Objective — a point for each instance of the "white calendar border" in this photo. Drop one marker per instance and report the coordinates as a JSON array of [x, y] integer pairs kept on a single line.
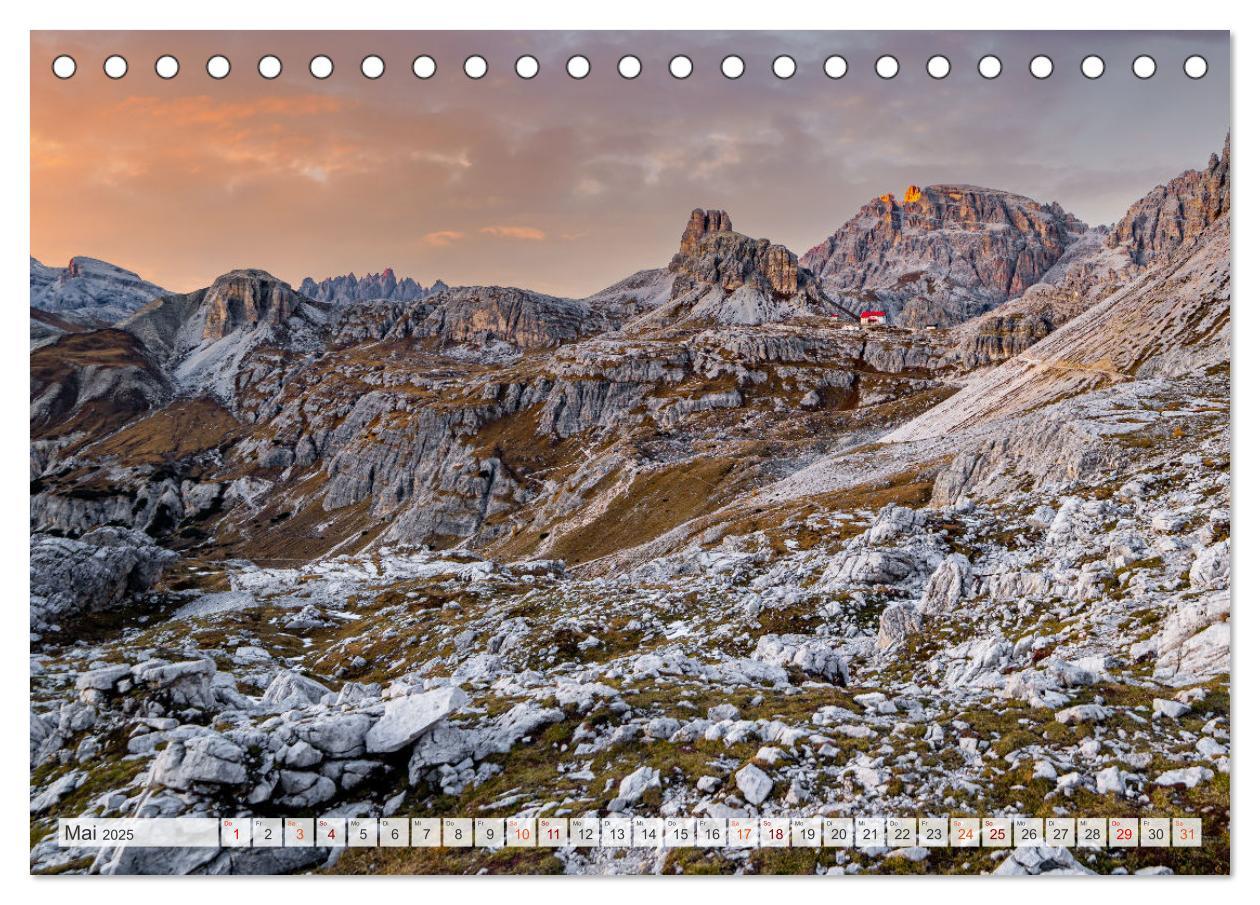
[[577, 14]]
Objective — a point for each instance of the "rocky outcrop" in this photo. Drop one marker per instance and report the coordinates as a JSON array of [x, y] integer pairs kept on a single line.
[[1175, 213], [725, 276], [482, 315], [701, 224], [1171, 320], [943, 253], [207, 339], [95, 573], [479, 322], [246, 298], [1100, 262]]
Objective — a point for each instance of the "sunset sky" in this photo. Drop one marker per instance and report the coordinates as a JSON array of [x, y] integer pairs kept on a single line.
[[562, 185]]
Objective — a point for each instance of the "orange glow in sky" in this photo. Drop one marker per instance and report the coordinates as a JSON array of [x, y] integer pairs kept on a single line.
[[557, 184]]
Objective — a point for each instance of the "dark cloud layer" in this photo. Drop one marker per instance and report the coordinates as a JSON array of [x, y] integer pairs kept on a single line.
[[564, 185]]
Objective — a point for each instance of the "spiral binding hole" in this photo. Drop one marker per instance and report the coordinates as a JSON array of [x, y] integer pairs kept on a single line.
[[835, 66], [115, 66], [527, 66], [424, 67], [64, 66], [938, 66], [270, 67], [475, 66], [887, 66], [166, 66], [321, 66], [680, 67], [218, 66]]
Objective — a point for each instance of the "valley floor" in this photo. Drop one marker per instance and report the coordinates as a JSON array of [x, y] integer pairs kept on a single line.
[[1058, 646]]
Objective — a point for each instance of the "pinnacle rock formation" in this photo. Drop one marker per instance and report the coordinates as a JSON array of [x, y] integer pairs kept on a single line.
[[348, 288], [730, 277]]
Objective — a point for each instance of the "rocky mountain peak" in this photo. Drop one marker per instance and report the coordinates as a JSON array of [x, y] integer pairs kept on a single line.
[[943, 253], [712, 252], [245, 298], [348, 288], [89, 291], [1173, 214], [723, 275], [701, 224]]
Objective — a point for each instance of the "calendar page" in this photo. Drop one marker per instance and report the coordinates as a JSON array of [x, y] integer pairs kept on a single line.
[[602, 453]]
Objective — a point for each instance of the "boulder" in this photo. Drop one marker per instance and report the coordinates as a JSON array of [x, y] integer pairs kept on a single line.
[[292, 691], [872, 567], [634, 786], [1186, 776], [1210, 570], [950, 583], [208, 758], [897, 623], [1040, 859], [99, 571], [1172, 710], [814, 656], [336, 734], [407, 718], [1194, 642], [1082, 713], [753, 784]]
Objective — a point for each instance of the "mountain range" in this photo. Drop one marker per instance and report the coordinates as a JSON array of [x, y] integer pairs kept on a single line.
[[701, 540]]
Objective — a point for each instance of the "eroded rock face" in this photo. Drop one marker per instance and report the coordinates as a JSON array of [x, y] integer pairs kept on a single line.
[[244, 298], [701, 224], [1176, 212], [942, 253], [94, 573], [728, 277]]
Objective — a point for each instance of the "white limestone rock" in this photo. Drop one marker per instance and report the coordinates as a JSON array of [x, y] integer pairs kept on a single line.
[[753, 784], [406, 719]]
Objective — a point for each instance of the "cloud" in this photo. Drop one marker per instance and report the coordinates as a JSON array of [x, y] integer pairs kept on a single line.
[[202, 110], [521, 233], [442, 238]]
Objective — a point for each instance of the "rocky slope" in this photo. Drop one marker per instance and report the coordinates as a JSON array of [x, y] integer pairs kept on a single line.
[[1101, 261], [694, 545], [1173, 318], [90, 292], [383, 286], [203, 338], [942, 254], [1174, 214]]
